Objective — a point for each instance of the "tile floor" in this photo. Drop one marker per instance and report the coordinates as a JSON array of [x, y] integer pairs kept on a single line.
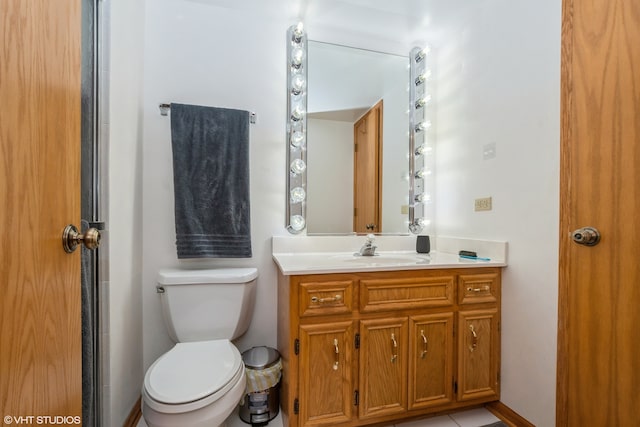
[[469, 418]]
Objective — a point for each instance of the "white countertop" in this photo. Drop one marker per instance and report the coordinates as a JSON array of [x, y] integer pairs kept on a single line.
[[346, 262], [335, 254]]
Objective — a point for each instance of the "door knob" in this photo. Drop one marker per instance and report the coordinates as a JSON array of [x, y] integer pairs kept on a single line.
[[587, 236], [71, 238]]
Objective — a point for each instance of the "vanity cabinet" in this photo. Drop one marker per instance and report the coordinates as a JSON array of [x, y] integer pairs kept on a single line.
[[375, 347]]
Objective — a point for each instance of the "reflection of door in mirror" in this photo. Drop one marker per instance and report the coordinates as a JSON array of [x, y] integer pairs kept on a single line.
[[367, 171], [344, 83]]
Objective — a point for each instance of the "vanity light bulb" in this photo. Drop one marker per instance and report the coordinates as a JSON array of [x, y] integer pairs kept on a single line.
[[297, 55], [298, 32], [423, 149], [423, 222], [423, 101], [423, 126], [423, 198], [423, 77], [422, 54], [298, 195], [297, 113], [297, 139], [297, 84], [297, 222], [298, 166], [422, 173]]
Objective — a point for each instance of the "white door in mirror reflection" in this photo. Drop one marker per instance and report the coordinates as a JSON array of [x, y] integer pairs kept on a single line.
[[367, 167]]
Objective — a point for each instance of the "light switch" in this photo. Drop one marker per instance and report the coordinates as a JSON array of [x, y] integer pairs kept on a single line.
[[489, 151]]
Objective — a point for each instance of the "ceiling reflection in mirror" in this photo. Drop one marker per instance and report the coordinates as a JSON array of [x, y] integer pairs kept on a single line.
[[352, 95]]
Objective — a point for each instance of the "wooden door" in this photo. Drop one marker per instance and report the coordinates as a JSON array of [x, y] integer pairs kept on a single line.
[[326, 386], [383, 367], [599, 298], [367, 172], [40, 338], [430, 360], [478, 349]]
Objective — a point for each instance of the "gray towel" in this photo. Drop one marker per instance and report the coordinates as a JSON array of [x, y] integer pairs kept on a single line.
[[211, 181]]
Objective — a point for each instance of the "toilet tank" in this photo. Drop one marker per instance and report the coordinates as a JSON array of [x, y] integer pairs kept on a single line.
[[202, 305]]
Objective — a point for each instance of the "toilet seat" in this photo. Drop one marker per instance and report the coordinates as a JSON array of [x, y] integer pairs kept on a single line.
[[192, 375]]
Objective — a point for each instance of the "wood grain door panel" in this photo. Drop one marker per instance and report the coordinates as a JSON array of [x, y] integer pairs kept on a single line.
[[367, 191], [430, 360], [478, 349], [383, 377], [40, 339], [599, 339], [326, 384]]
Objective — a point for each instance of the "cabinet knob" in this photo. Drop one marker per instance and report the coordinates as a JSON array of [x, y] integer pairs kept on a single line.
[[479, 289], [317, 300], [394, 348], [337, 354], [425, 344], [474, 339]]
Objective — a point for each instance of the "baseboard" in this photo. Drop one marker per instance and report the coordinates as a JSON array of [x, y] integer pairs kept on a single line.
[[134, 415], [508, 415]]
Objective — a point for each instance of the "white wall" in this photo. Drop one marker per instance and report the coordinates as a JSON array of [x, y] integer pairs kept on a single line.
[[499, 83], [228, 56], [329, 195], [125, 209]]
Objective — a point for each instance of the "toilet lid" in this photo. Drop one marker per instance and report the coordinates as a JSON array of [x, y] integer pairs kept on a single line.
[[192, 371]]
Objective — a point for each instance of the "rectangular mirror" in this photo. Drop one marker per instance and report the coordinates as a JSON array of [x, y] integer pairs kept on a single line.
[[357, 141]]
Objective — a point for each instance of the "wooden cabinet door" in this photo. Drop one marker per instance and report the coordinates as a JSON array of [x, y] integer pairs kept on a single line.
[[325, 375], [478, 350], [383, 367], [430, 360]]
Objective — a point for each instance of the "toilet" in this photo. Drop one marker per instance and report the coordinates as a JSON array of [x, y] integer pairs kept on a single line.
[[200, 381]]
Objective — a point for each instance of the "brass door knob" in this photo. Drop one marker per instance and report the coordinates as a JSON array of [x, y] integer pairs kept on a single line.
[[588, 236], [71, 238]]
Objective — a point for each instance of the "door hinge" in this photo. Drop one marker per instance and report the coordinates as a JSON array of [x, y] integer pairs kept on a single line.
[[356, 398], [357, 341], [296, 346], [355, 212], [296, 406]]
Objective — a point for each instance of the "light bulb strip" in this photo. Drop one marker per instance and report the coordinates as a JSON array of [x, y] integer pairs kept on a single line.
[[296, 184], [417, 75]]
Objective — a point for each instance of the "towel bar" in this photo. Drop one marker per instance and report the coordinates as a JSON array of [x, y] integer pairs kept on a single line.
[[164, 111]]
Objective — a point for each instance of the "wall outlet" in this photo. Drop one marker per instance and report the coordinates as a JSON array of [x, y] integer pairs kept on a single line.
[[404, 210], [483, 204]]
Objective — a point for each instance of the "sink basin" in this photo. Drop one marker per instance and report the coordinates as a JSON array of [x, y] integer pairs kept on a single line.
[[384, 259]]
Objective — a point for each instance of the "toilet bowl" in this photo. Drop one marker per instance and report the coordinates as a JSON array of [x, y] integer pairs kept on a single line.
[[194, 384], [200, 381]]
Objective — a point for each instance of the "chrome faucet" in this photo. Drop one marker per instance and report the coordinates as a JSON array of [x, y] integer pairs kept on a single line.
[[368, 249]]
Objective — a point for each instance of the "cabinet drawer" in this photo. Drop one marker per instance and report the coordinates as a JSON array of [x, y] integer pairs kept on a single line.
[[478, 288], [413, 292], [320, 298]]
